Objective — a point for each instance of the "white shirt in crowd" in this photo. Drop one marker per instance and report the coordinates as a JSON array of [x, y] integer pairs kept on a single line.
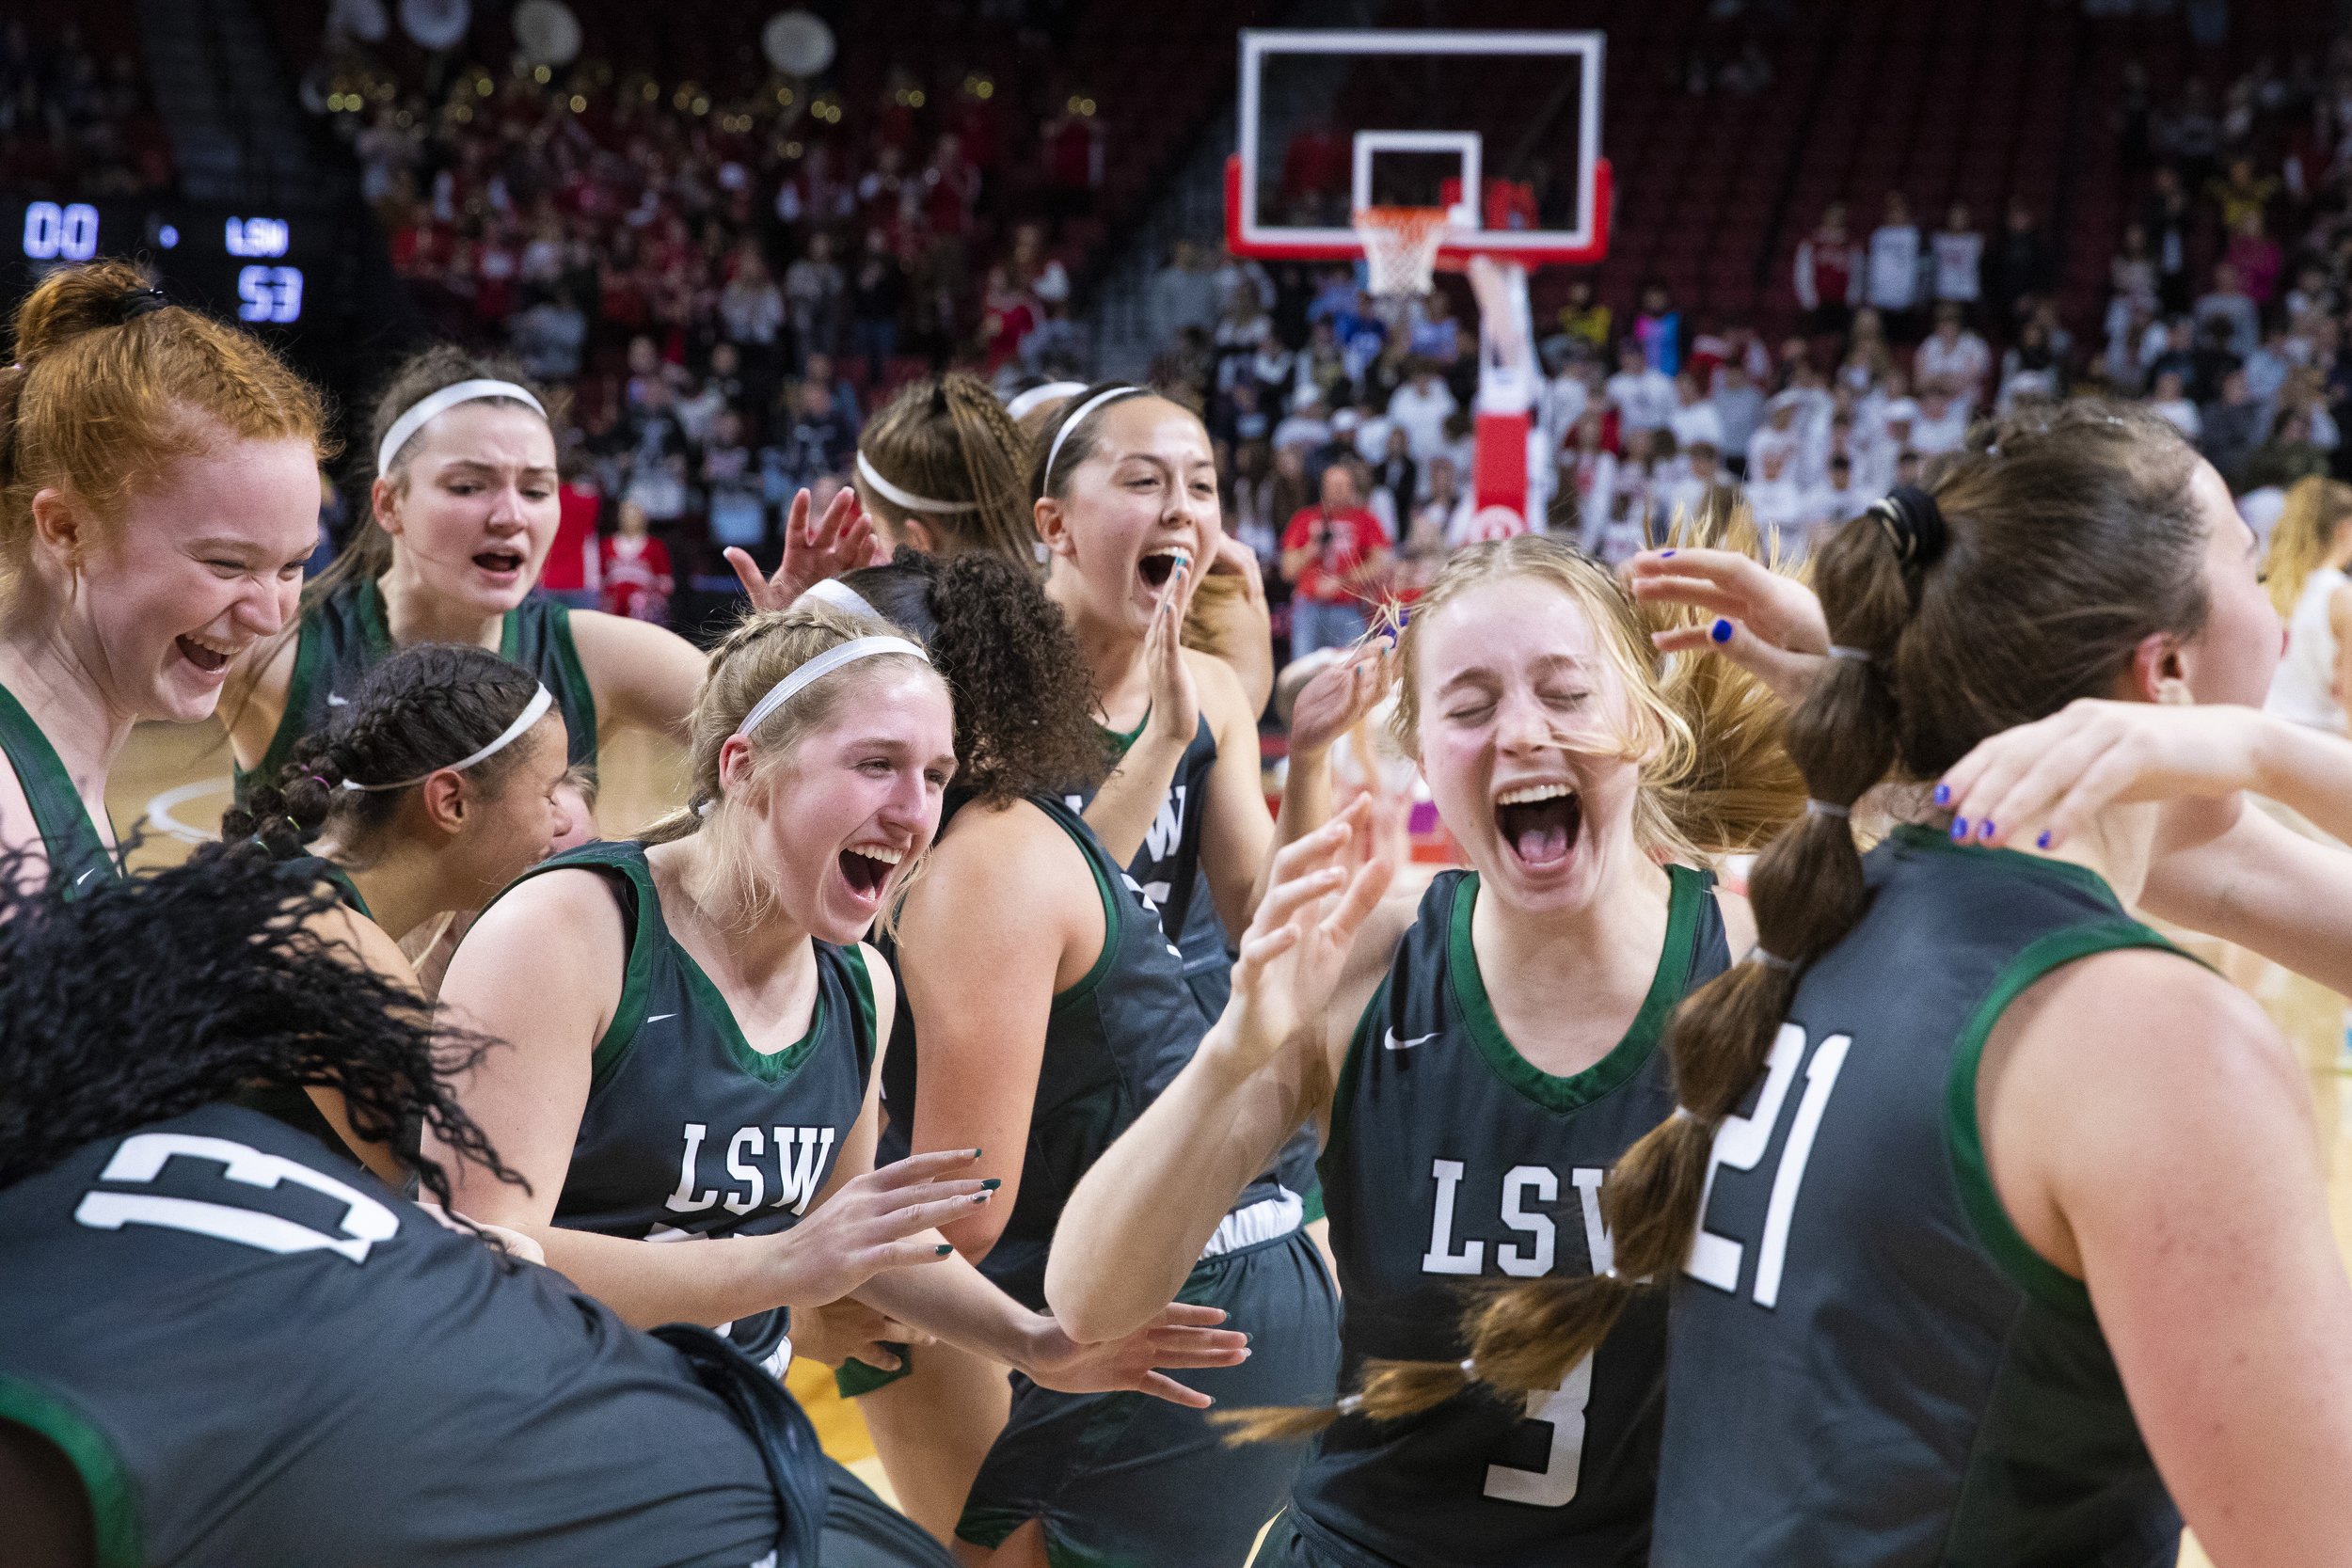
[[1592, 479], [2183, 413], [1645, 399], [1962, 364], [1775, 451], [2302, 690], [1893, 267], [1696, 423], [1933, 431], [1959, 265], [1421, 415], [1565, 399]]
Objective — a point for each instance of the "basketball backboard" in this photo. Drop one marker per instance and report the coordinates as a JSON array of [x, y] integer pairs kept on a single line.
[[1500, 128]]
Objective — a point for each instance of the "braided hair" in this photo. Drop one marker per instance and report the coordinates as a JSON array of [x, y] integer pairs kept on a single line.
[[150, 996], [2018, 581], [421, 710]]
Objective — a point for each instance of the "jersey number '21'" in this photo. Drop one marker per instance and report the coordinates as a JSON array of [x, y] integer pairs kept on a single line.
[[1741, 1142]]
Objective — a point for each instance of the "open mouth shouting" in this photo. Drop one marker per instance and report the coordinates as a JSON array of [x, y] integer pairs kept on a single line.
[[502, 563], [867, 868], [1539, 823], [206, 654], [1160, 565]]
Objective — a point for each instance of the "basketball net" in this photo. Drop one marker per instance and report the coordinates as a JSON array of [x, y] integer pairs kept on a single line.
[[1401, 245]]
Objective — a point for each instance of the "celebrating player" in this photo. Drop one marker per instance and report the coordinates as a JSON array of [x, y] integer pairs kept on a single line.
[[2003, 1226], [158, 496], [1476, 1059], [1046, 1008]]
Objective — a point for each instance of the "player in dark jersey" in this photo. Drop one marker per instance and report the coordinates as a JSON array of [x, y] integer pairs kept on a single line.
[[1047, 1008], [696, 1024], [1995, 1229], [1476, 1058], [245, 1349], [158, 496], [463, 512], [433, 789]]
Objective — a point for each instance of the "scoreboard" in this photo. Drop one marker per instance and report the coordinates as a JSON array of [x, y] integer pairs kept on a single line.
[[281, 272]]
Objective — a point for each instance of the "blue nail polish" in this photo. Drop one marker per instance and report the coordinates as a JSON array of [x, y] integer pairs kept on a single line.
[[2043, 842], [1721, 631], [1666, 555], [1959, 829], [1984, 830], [1942, 795]]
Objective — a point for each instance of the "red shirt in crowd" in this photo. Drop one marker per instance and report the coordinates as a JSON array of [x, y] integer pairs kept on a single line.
[[1339, 542], [572, 563], [637, 582]]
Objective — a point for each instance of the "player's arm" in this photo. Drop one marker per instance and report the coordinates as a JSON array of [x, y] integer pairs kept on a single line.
[[1331, 702], [551, 1002], [1236, 830], [42, 1499], [644, 676], [2189, 1194], [1141, 1214]]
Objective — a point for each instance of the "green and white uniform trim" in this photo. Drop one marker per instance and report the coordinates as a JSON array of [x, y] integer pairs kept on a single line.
[[75, 848], [1869, 1363]]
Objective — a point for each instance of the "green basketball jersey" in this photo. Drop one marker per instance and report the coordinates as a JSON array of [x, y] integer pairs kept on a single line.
[[1453, 1160], [344, 636], [1113, 1041], [689, 1133], [75, 850], [1869, 1364]]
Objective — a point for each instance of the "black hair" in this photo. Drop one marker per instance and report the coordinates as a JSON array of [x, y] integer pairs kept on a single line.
[[145, 997], [1025, 697], [421, 710]]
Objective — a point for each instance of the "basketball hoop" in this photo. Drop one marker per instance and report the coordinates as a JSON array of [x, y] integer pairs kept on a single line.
[[1401, 245]]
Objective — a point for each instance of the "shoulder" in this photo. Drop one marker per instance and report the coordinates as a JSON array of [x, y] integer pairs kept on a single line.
[[576, 903], [881, 985], [1369, 959], [998, 842], [600, 636], [1222, 698]]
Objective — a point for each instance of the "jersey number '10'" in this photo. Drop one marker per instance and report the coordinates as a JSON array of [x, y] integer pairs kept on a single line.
[[1741, 1142]]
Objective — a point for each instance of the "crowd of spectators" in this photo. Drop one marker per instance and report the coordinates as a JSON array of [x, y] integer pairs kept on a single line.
[[725, 284], [2229, 309], [73, 126]]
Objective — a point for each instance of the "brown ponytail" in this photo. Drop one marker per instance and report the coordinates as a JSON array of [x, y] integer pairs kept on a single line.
[[112, 383], [2069, 536], [948, 439]]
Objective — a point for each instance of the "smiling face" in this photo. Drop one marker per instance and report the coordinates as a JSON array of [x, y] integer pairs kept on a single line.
[[1144, 498], [837, 821], [1524, 719], [472, 506], [205, 560]]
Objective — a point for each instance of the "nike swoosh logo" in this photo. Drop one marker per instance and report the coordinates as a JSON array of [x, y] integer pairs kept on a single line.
[[86, 875], [334, 700], [1392, 1043], [659, 1017]]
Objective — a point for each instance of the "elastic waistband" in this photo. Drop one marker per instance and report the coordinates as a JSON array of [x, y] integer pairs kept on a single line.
[[1266, 1220]]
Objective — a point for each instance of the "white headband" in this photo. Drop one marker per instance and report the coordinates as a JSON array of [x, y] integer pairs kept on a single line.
[[1078, 418], [839, 594], [532, 711], [1023, 405], [818, 668], [447, 398], [907, 499]]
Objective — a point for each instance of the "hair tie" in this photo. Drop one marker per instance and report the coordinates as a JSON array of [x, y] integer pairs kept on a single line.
[[839, 594], [433, 404], [1469, 1368], [906, 499], [540, 702], [1823, 808], [318, 779], [1053, 454], [1769, 960], [1839, 649], [1349, 1404], [289, 822], [1913, 524], [140, 302]]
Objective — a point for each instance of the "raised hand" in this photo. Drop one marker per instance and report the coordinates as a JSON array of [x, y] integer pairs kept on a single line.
[[1338, 696], [1175, 704], [1321, 889], [1182, 1337], [885, 1219], [1767, 623], [2041, 782], [840, 540], [845, 1329]]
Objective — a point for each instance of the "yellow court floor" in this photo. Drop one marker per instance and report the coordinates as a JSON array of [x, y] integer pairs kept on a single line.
[[173, 781]]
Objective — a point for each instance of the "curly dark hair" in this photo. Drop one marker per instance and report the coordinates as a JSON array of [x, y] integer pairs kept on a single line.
[[148, 996], [1025, 697], [422, 708]]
